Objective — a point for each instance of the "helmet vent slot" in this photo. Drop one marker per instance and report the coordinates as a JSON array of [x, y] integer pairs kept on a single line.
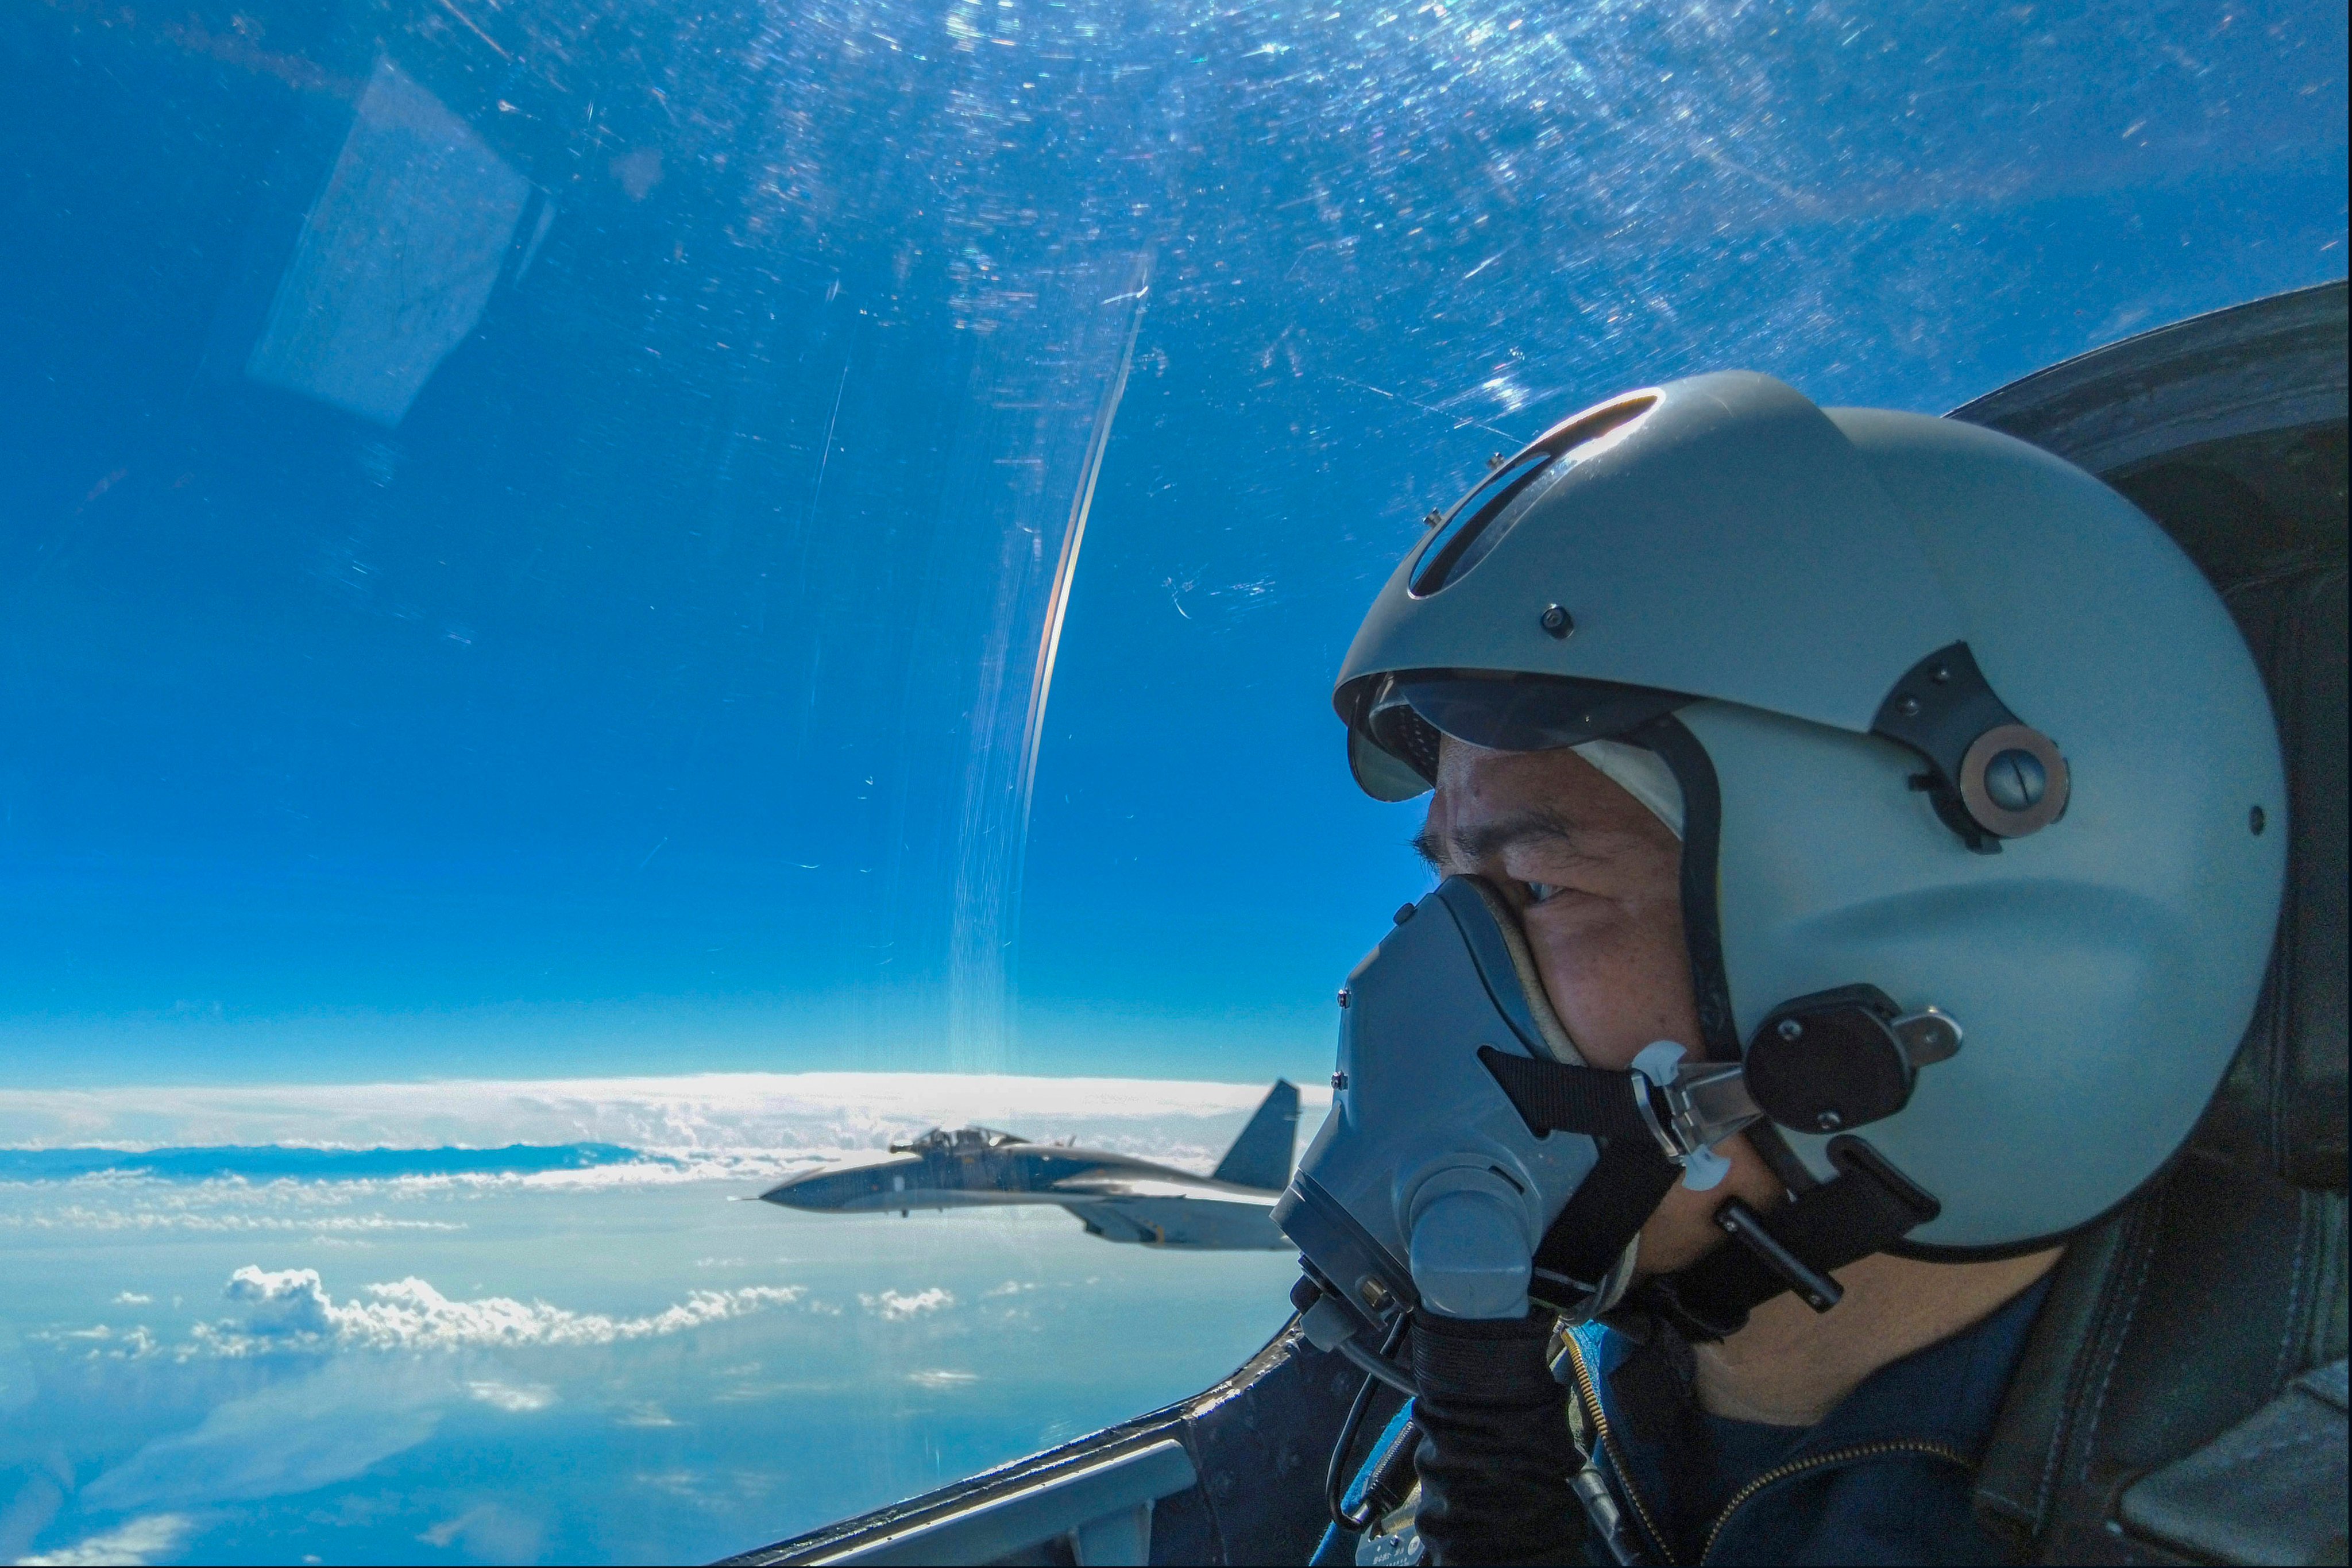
[[1478, 522]]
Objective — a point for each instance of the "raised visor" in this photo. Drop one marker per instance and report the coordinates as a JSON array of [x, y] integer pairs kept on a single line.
[[1234, 1475]]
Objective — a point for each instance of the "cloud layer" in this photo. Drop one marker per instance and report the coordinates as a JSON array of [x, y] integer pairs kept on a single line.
[[291, 1309], [711, 1115], [898, 1306], [132, 1542]]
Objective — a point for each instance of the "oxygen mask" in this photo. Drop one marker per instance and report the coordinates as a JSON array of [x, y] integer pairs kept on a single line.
[[1472, 1164]]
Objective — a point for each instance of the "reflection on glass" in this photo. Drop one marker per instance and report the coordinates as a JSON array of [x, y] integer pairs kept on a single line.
[[584, 589], [397, 257]]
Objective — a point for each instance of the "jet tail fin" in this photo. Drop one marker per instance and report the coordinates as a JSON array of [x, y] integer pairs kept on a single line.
[[1261, 1156]]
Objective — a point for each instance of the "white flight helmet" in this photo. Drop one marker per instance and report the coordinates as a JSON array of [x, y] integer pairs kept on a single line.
[[1951, 719]]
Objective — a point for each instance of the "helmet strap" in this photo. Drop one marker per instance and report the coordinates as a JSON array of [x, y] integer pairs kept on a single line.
[[1866, 1208]]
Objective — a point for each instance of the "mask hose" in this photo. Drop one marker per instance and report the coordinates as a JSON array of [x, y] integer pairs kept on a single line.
[[1373, 1503], [1494, 1451]]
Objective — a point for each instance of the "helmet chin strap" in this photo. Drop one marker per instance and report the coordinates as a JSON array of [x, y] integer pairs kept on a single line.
[[1656, 1132], [1866, 1208]]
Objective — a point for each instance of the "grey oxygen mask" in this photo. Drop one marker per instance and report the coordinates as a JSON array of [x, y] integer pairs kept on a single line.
[[1445, 1166]]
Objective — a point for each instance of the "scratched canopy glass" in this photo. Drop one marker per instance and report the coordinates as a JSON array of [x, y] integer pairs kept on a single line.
[[562, 560]]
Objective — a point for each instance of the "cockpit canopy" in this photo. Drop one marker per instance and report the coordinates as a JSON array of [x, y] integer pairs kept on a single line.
[[959, 1139]]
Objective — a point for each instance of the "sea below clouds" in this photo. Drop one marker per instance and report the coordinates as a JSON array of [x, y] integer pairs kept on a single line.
[[515, 1322]]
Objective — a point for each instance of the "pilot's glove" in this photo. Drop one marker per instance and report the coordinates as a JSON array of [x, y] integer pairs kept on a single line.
[[1494, 1428]]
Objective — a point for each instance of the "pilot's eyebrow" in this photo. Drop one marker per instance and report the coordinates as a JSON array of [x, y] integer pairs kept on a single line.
[[1469, 846]]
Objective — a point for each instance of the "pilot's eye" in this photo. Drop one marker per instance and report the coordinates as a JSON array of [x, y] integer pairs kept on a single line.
[[1539, 892]]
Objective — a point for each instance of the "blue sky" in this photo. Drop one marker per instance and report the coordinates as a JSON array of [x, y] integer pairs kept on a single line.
[[658, 692]]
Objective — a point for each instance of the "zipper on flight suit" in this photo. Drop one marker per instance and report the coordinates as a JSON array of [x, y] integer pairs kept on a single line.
[[1589, 1395], [1815, 1461]]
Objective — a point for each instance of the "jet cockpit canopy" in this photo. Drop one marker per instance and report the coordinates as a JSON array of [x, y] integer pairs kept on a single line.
[[958, 1139]]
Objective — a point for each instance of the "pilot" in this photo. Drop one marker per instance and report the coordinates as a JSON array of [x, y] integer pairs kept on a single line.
[[1902, 783]]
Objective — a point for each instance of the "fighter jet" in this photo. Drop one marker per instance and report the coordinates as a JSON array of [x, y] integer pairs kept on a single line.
[[1115, 1196]]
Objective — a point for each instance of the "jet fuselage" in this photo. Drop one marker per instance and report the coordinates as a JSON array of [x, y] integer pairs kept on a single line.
[[1116, 1196]]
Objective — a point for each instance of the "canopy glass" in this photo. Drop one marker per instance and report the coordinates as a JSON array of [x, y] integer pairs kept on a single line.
[[550, 541]]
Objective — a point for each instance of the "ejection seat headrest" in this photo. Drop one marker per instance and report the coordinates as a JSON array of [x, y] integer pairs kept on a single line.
[[2282, 1108]]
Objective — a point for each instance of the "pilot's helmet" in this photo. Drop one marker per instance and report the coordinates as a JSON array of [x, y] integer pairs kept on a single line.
[[1935, 712]]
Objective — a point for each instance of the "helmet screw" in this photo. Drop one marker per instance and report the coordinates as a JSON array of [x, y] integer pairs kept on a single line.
[[2257, 820], [1790, 1029], [1433, 519], [2015, 780], [1829, 1122], [1344, 997], [1941, 674], [1908, 705], [1495, 460], [1339, 1080], [1557, 621], [1404, 913]]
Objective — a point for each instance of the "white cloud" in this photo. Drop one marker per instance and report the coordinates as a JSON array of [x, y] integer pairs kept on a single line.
[[717, 1124], [134, 1541], [514, 1400], [106, 1343], [898, 1306], [648, 1414], [1010, 1288], [150, 1216], [289, 1302], [133, 1299], [941, 1378], [291, 1310]]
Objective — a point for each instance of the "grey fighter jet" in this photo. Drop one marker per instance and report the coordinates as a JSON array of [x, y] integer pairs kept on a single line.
[[1116, 1196]]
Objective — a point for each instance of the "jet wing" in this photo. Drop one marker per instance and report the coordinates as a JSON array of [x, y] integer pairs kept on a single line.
[[1107, 1185], [1156, 1211]]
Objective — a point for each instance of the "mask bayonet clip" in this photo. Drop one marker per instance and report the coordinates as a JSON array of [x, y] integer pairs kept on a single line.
[[1690, 1107]]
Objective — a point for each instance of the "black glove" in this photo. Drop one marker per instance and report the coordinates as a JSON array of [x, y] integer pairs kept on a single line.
[[1493, 1456]]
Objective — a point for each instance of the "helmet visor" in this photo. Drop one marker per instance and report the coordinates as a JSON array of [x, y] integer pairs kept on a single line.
[[1508, 712]]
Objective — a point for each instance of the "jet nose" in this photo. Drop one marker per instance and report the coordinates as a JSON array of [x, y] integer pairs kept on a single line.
[[800, 1193]]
